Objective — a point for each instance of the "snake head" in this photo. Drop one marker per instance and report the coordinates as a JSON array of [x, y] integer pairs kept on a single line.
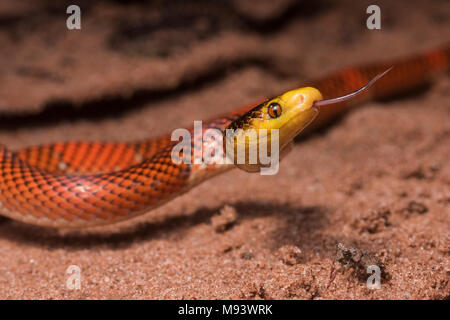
[[272, 125]]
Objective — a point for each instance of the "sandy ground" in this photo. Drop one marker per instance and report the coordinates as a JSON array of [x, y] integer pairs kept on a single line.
[[375, 184]]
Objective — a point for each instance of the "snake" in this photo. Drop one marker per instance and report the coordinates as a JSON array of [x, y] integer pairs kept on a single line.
[[78, 184]]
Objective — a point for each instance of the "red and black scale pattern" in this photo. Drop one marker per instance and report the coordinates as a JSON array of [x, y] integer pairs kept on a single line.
[[36, 196]]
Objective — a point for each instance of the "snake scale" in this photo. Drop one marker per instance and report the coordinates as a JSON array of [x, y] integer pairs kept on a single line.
[[82, 184]]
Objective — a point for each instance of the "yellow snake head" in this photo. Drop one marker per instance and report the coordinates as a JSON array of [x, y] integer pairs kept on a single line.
[[265, 133], [271, 125]]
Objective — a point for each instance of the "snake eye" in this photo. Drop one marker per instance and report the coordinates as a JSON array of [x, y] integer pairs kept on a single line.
[[274, 110]]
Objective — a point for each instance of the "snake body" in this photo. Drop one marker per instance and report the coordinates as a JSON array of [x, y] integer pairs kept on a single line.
[[82, 184]]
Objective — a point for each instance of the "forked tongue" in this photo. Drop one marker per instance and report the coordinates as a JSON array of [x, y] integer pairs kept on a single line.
[[353, 94]]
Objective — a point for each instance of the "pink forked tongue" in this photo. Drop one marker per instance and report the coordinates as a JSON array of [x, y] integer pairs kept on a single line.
[[351, 95]]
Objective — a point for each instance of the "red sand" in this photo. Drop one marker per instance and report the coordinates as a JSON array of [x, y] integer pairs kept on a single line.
[[377, 181]]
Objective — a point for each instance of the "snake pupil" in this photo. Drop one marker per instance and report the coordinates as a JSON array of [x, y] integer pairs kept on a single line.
[[274, 110]]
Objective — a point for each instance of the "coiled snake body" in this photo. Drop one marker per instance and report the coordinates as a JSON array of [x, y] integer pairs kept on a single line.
[[80, 184]]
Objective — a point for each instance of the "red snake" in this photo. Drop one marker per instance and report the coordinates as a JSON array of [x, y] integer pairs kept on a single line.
[[81, 184]]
